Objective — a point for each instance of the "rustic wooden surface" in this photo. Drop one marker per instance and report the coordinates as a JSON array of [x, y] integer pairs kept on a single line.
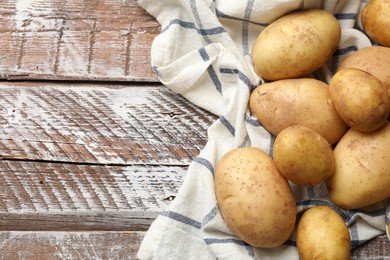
[[69, 245], [114, 155], [91, 157], [59, 196], [90, 40], [105, 123]]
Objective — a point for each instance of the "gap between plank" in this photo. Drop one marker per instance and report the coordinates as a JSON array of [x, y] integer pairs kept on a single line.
[[4, 158]]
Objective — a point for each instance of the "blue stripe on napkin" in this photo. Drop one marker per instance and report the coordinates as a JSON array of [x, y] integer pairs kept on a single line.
[[205, 163], [182, 219]]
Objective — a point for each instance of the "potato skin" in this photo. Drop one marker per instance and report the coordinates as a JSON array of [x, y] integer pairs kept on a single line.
[[360, 99], [255, 200], [305, 101], [374, 60], [303, 156], [323, 234], [376, 19], [388, 229], [295, 44], [362, 174]]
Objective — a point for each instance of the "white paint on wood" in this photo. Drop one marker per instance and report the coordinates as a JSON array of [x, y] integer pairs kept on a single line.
[[101, 40], [122, 99], [22, 13], [15, 110], [44, 188], [69, 245], [74, 53], [106, 124]]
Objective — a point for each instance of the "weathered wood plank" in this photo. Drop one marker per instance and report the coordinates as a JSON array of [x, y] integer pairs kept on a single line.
[[56, 196], [82, 40], [114, 245], [69, 245], [111, 124]]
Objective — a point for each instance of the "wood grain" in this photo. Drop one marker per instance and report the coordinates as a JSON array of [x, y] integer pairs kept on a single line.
[[106, 124], [82, 40], [87, 157], [114, 245], [69, 245], [57, 196]]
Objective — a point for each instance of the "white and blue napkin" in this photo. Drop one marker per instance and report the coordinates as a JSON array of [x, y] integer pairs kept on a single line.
[[204, 54]]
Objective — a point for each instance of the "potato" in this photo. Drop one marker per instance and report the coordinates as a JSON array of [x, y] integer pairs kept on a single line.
[[303, 156], [255, 200], [376, 19], [362, 174], [323, 234], [306, 102], [295, 44], [360, 99], [374, 60], [388, 228]]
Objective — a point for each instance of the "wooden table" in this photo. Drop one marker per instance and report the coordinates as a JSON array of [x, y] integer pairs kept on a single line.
[[92, 146]]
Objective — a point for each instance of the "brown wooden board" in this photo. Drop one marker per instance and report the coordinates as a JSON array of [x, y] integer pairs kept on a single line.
[[107, 124], [87, 157], [58, 196], [82, 40], [69, 245], [114, 245]]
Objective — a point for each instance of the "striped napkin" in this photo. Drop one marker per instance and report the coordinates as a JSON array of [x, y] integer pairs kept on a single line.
[[204, 54]]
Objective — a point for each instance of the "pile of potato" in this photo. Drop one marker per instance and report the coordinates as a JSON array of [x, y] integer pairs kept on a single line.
[[337, 133]]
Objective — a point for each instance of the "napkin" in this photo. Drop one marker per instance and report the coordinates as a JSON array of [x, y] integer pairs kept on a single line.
[[204, 54]]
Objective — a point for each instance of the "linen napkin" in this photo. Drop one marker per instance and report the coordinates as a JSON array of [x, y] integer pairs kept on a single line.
[[204, 54]]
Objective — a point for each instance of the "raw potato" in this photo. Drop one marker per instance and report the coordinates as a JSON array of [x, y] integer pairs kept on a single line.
[[360, 99], [376, 20], [323, 234], [255, 200], [388, 229], [296, 44], [303, 156], [362, 174], [374, 60], [306, 102]]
